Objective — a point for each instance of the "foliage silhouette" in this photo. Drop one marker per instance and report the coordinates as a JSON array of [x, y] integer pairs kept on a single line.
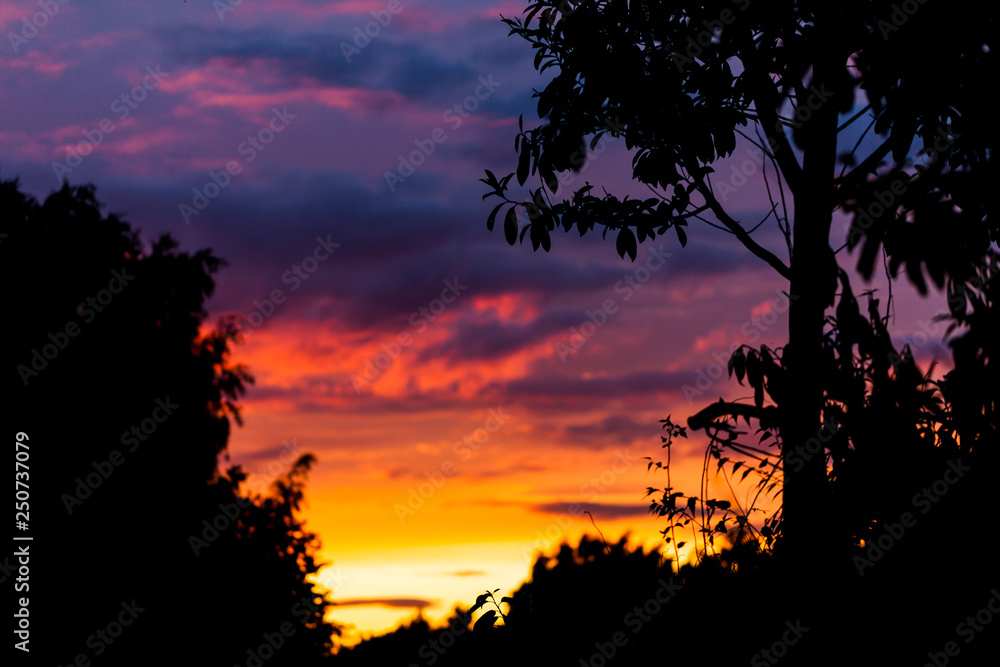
[[851, 114], [849, 111], [127, 404], [572, 599], [900, 444]]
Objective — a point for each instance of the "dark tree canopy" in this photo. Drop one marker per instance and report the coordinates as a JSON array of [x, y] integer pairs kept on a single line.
[[127, 404], [872, 111], [853, 113], [681, 82]]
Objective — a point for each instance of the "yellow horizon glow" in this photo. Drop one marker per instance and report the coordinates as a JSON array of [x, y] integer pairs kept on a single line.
[[420, 500]]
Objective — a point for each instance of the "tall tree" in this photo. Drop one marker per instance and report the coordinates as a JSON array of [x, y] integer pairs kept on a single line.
[[125, 404], [854, 115]]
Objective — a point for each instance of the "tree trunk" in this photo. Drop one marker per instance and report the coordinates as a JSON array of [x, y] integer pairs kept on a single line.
[[812, 288]]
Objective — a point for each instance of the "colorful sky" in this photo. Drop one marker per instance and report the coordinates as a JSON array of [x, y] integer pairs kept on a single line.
[[452, 388]]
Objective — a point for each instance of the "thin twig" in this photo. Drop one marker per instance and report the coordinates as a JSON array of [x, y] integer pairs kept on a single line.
[[598, 531]]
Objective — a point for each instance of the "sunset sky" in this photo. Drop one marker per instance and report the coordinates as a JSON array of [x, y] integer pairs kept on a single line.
[[453, 388]]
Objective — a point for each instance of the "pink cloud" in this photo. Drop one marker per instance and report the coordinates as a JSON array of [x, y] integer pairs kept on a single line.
[[302, 10], [508, 8], [148, 141], [10, 15], [22, 146], [716, 338], [356, 6], [103, 40], [50, 64], [227, 83], [509, 307]]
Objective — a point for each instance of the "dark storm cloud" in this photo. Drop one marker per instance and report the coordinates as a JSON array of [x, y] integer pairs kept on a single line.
[[613, 429], [403, 603], [407, 67], [495, 338], [605, 511]]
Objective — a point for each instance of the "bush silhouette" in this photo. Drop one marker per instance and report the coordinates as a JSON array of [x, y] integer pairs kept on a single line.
[[127, 406]]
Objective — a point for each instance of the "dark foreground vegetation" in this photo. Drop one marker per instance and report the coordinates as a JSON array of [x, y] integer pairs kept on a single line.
[[204, 570], [148, 551], [144, 550]]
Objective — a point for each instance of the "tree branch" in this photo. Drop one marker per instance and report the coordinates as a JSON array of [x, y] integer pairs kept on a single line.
[[766, 108], [741, 233], [867, 165], [767, 415]]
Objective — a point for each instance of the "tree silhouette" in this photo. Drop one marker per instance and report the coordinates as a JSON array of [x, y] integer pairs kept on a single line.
[[573, 600], [850, 112], [270, 553], [851, 115], [910, 462], [126, 404]]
